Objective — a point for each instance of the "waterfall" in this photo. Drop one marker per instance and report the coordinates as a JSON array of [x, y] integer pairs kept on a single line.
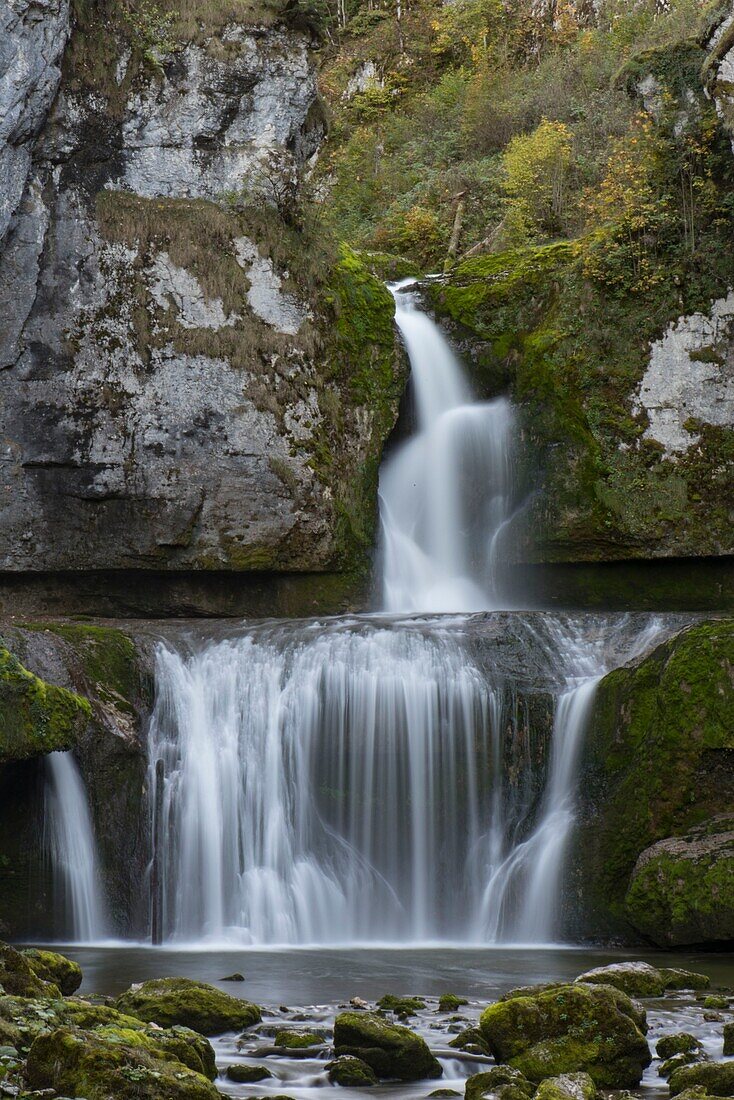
[[368, 780], [69, 841], [446, 495], [333, 785]]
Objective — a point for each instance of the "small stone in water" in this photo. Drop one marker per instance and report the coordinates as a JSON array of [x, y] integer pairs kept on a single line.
[[233, 978], [247, 1074], [357, 1002]]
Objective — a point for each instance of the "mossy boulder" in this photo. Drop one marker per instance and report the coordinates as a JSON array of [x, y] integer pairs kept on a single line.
[[49, 966], [247, 1075], [569, 1086], [97, 1067], [297, 1040], [659, 765], [716, 1078], [170, 1001], [18, 977], [470, 1040], [682, 1042], [501, 1081], [401, 1006], [351, 1072], [391, 1050], [682, 888], [667, 1068], [593, 1029], [449, 1002], [640, 979], [728, 1040], [35, 717], [177, 1044]]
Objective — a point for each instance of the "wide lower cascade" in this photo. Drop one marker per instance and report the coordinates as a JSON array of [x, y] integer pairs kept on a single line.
[[362, 782]]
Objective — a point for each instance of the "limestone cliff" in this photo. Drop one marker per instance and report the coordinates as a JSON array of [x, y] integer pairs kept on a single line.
[[193, 379]]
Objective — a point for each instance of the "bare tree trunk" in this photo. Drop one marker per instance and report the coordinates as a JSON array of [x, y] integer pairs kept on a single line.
[[485, 244], [456, 231]]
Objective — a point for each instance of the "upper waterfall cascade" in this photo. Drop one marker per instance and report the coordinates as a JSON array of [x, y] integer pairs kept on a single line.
[[447, 493]]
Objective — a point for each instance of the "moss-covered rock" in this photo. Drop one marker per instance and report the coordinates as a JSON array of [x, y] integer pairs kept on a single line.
[[449, 1002], [247, 1075], [471, 1040], [35, 717], [351, 1072], [18, 977], [292, 1039], [569, 1086], [49, 966], [667, 1068], [682, 888], [574, 1028], [170, 1001], [716, 1078], [390, 1049], [681, 1042], [728, 1040], [96, 1066], [502, 1081], [401, 1006], [659, 762], [640, 979]]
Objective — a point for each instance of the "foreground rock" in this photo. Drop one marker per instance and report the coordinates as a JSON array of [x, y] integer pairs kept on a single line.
[[502, 1082], [170, 1001], [682, 888], [351, 1072], [119, 1064], [569, 1086], [708, 1078], [18, 977], [391, 1050], [639, 979], [594, 1029], [52, 967]]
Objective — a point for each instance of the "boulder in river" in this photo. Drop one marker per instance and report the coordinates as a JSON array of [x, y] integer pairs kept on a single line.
[[568, 1086], [351, 1072], [713, 1078], [682, 1042], [639, 979], [169, 1001], [390, 1049], [503, 1082], [595, 1029]]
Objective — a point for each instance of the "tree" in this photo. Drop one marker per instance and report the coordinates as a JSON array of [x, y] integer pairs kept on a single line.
[[536, 168]]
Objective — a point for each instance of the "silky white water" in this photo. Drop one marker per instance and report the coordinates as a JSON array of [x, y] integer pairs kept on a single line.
[[446, 494], [365, 782], [71, 848]]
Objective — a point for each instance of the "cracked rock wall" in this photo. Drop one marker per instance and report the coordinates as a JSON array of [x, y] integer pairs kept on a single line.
[[179, 389]]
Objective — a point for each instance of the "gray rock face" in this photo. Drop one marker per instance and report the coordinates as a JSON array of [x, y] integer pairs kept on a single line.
[[166, 342], [33, 35]]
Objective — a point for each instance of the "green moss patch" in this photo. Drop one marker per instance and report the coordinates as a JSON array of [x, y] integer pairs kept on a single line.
[[35, 717]]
